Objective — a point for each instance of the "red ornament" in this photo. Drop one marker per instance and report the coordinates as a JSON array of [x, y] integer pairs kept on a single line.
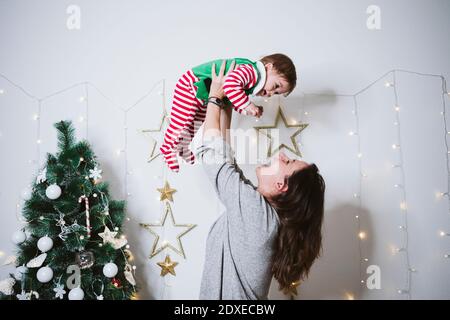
[[116, 283]]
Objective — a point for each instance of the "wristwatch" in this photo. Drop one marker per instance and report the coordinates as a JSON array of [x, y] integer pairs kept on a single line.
[[217, 101]]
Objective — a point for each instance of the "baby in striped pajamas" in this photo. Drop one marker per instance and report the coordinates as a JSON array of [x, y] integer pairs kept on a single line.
[[273, 74]]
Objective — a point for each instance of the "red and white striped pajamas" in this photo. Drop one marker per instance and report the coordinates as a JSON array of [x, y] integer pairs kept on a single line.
[[188, 112]]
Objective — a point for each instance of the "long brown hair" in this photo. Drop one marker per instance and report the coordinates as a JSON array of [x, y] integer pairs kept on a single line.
[[284, 66], [299, 239]]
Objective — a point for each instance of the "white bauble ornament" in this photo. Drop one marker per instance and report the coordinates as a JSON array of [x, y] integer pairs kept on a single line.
[[19, 272], [110, 270], [26, 193], [44, 274], [76, 294], [53, 191], [45, 243], [18, 237]]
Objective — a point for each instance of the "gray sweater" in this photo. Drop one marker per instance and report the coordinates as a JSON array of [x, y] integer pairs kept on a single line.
[[240, 242]]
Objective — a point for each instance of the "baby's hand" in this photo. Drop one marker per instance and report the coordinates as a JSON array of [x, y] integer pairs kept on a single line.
[[254, 110]]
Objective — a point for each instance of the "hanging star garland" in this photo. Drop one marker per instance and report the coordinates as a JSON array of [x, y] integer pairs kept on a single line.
[[156, 248], [166, 192], [167, 266], [153, 150], [266, 131]]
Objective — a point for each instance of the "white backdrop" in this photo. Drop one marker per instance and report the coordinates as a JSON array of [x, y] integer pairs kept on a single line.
[[123, 50]]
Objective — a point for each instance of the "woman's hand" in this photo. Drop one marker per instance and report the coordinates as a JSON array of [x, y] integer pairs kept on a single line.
[[216, 89]]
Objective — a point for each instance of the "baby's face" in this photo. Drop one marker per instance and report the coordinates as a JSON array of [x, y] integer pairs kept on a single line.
[[275, 83]]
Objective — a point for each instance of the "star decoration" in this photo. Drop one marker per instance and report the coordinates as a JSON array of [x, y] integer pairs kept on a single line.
[[109, 236], [59, 291], [163, 122], [95, 173], [166, 192], [150, 227], [294, 149], [167, 266], [292, 290]]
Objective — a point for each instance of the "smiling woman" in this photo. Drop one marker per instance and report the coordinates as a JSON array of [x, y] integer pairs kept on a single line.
[[272, 229]]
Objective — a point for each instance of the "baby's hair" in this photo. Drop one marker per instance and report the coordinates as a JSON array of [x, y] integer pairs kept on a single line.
[[284, 66]]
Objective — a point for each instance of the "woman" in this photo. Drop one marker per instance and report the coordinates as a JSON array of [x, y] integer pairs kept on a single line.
[[271, 230]]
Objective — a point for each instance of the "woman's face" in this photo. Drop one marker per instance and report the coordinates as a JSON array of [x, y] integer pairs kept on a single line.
[[271, 176]]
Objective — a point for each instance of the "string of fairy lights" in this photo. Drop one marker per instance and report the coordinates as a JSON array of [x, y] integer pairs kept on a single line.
[[404, 289], [402, 250]]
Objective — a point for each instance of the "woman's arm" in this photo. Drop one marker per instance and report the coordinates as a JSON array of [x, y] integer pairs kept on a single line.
[[212, 126], [225, 123]]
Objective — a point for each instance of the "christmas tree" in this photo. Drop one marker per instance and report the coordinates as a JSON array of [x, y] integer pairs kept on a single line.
[[75, 248]]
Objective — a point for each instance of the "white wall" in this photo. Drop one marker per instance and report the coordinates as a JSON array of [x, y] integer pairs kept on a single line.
[[124, 48]]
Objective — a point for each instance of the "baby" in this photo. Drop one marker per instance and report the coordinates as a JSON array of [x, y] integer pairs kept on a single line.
[[273, 74]]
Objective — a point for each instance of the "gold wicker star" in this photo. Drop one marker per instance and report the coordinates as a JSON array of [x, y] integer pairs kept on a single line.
[[151, 227], [166, 192], [292, 290], [294, 149], [167, 266], [153, 151]]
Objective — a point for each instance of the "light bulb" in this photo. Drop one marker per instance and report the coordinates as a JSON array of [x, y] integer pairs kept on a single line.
[[397, 185], [41, 218], [100, 245], [306, 113], [443, 234], [395, 123], [401, 227], [359, 155], [400, 291], [412, 269], [127, 246], [35, 117], [39, 141], [81, 119], [350, 296], [351, 133], [395, 146], [362, 235], [357, 217], [2, 91], [81, 159], [447, 255], [388, 84], [82, 99], [122, 236], [116, 229], [397, 108], [366, 260], [403, 205], [355, 195], [134, 267], [81, 237]]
